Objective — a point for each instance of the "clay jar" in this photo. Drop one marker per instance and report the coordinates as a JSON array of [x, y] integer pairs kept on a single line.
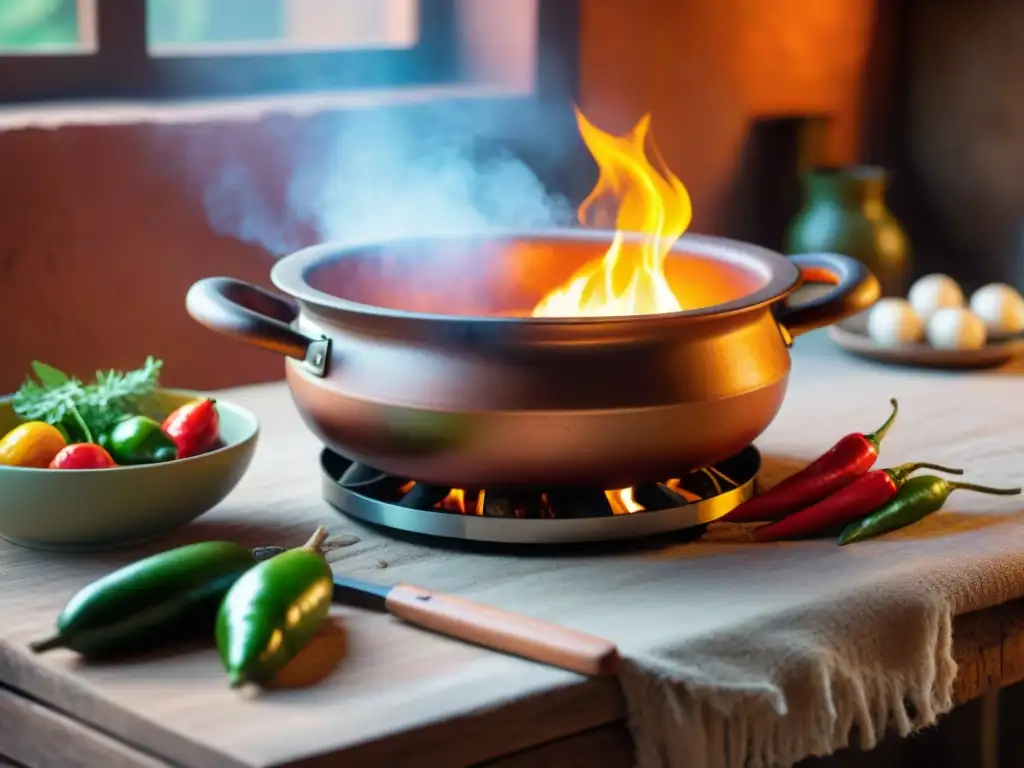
[[844, 211]]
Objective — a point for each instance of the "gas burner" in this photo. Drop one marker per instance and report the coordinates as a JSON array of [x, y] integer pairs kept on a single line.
[[558, 516]]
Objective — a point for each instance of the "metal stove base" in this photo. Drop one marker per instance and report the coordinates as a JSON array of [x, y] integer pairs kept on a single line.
[[452, 525]]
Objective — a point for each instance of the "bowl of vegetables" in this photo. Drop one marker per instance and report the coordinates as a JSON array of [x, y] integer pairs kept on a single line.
[[115, 461]]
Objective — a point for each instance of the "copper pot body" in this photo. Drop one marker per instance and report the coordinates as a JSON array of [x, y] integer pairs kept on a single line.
[[419, 358]]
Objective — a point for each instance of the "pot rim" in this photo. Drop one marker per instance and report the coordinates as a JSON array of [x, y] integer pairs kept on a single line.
[[781, 275]]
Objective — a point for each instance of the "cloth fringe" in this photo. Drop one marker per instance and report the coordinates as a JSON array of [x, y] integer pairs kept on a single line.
[[812, 706]]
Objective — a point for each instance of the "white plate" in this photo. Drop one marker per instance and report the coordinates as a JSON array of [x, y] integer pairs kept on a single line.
[[851, 336]]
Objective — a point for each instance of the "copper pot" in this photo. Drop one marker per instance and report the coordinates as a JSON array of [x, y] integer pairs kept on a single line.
[[420, 357]]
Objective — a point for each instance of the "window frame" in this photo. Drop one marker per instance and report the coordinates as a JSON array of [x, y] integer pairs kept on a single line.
[[122, 68]]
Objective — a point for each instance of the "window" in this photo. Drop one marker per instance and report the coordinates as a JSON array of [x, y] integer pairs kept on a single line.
[[173, 48], [47, 26]]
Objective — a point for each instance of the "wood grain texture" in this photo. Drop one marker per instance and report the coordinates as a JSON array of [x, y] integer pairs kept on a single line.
[[36, 735], [399, 696], [29, 729], [610, 746], [988, 647], [979, 652]]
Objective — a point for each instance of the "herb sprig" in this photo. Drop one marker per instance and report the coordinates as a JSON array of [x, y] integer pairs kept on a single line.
[[87, 410]]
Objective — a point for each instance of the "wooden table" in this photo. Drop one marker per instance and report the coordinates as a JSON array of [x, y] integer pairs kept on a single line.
[[401, 697]]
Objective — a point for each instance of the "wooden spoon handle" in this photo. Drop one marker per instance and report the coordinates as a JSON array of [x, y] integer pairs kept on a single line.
[[508, 632]]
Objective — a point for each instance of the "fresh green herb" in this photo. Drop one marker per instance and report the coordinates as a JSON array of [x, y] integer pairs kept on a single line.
[[49, 376], [85, 410]]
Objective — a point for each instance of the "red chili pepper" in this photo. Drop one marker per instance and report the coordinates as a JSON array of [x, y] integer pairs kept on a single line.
[[194, 427], [858, 499], [82, 456], [847, 460]]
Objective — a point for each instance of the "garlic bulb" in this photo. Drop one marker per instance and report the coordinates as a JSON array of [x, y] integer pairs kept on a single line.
[[956, 328], [934, 292], [1001, 309], [894, 323]]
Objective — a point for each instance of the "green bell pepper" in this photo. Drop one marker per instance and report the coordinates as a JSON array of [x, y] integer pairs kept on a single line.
[[140, 440]]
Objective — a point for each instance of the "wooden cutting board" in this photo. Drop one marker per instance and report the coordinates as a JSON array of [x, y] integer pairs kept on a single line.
[[367, 677]]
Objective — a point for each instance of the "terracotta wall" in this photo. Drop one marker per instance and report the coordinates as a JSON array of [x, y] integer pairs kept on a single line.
[[707, 68], [97, 248], [101, 233]]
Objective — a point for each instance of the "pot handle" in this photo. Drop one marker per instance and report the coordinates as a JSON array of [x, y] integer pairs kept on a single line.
[[855, 290], [258, 317]]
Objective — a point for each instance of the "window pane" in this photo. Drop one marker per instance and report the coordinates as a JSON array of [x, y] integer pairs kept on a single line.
[[47, 26], [210, 27]]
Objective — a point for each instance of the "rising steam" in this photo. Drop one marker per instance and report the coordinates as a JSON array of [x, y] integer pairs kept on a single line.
[[375, 177]]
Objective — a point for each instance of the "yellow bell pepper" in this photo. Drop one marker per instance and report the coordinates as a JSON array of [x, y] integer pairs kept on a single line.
[[33, 444]]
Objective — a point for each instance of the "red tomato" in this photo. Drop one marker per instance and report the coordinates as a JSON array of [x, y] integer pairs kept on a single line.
[[194, 427], [82, 456]]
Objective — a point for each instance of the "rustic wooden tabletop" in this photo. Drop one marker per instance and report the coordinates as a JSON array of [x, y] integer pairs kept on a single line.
[[369, 689]]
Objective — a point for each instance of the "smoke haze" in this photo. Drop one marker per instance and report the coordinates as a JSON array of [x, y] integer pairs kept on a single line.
[[371, 177]]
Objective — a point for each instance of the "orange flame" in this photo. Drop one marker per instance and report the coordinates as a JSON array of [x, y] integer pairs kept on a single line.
[[630, 279], [622, 502], [676, 484], [455, 501]]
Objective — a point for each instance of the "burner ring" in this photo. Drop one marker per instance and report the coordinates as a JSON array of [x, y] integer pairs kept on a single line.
[[452, 525]]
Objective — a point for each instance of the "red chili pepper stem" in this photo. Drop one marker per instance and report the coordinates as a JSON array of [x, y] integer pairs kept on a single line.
[[875, 438], [839, 466], [899, 473]]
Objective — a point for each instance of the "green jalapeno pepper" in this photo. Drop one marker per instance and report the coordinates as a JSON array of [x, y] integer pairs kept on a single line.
[[148, 603], [273, 611], [918, 498], [140, 440]]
